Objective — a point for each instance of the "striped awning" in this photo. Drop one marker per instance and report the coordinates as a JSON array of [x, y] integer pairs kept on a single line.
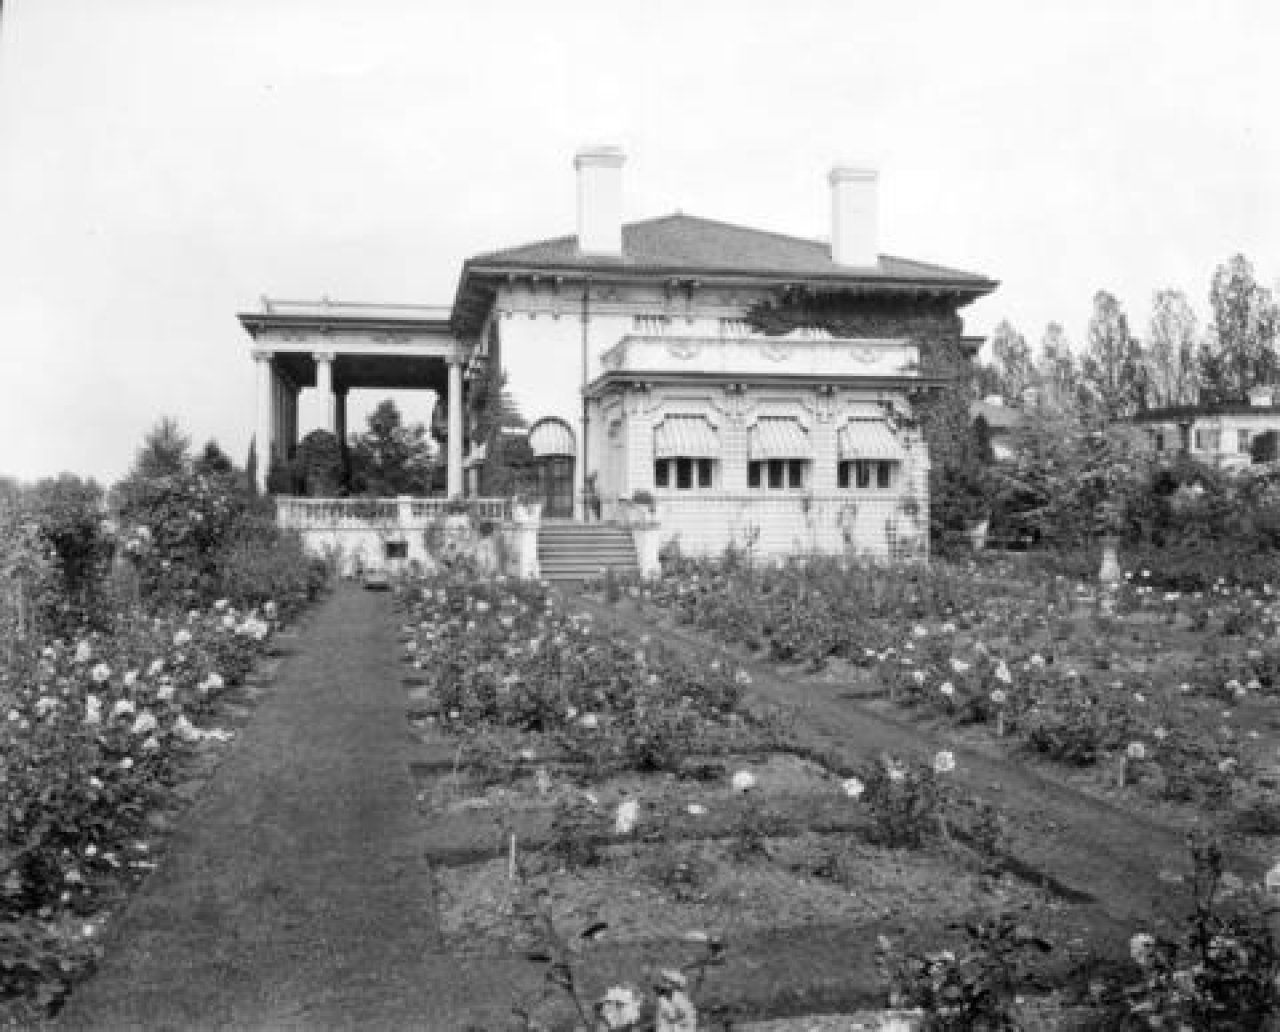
[[869, 439], [688, 437], [551, 437], [773, 437]]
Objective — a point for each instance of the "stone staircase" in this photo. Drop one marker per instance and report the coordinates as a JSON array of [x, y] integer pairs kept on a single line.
[[570, 551]]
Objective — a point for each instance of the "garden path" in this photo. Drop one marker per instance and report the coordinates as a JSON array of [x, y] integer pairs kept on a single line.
[[296, 894], [1113, 856]]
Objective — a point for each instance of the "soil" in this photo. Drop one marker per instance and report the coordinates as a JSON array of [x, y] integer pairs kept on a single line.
[[545, 787], [654, 893]]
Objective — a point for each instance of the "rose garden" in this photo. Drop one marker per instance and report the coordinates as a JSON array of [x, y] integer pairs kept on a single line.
[[987, 791]]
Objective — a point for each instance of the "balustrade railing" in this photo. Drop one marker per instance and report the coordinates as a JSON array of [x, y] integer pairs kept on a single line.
[[356, 513]]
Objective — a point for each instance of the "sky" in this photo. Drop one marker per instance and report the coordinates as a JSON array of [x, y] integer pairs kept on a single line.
[[165, 163]]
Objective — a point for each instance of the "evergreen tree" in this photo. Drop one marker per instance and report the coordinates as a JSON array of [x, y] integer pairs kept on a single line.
[[165, 451], [212, 459]]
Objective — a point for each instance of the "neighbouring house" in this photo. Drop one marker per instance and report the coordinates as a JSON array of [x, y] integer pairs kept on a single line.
[[759, 389], [1224, 434]]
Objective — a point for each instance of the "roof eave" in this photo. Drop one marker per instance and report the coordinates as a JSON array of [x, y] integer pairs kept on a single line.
[[965, 290], [888, 383], [257, 321]]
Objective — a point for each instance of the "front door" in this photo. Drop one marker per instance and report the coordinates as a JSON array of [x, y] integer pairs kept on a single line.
[[557, 486]]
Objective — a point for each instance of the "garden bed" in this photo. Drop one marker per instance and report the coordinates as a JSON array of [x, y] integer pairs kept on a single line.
[[629, 790], [1157, 701], [652, 893]]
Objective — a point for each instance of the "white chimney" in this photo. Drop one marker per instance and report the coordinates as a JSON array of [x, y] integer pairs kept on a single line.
[[855, 216], [600, 200]]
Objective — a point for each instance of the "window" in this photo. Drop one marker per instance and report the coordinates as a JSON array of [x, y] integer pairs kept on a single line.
[[865, 474], [1159, 440], [683, 474], [650, 325], [777, 474], [1242, 441], [395, 549], [1208, 440]]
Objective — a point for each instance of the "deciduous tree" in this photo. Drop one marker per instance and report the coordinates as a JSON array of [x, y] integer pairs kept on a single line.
[[1057, 374], [1012, 362], [1245, 322], [1171, 350], [1113, 370]]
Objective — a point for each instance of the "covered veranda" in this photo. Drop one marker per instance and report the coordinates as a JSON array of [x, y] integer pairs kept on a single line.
[[337, 347]]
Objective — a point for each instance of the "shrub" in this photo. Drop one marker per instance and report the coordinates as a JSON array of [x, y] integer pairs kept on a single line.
[[320, 465], [1221, 972], [903, 800]]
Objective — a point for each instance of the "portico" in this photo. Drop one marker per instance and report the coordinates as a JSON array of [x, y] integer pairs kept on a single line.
[[336, 347]]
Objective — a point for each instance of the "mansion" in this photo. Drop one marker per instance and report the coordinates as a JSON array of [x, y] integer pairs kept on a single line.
[[723, 384]]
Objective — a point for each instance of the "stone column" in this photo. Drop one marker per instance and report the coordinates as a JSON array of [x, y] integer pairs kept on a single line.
[[340, 418], [291, 434], [277, 411], [264, 415], [324, 384], [453, 456]]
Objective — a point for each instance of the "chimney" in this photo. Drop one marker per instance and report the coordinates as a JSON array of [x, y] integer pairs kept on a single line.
[[855, 216], [600, 200]]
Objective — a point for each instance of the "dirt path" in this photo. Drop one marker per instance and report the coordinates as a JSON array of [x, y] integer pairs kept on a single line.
[[296, 894], [1111, 855]]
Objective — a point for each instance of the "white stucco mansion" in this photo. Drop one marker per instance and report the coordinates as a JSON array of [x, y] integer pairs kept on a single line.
[[762, 389]]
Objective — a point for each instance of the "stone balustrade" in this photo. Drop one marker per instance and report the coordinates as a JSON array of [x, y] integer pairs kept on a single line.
[[403, 514]]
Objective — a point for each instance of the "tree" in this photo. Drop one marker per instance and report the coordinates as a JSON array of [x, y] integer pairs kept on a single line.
[[1113, 370], [319, 464], [391, 458], [70, 516], [212, 459], [165, 451], [1057, 375], [251, 466], [1012, 362], [1171, 350], [1245, 322], [1067, 483], [508, 462]]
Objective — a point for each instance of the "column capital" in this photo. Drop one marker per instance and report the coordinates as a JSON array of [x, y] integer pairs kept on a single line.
[[324, 356], [262, 354]]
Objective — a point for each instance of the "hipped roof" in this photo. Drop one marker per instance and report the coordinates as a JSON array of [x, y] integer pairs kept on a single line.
[[693, 247]]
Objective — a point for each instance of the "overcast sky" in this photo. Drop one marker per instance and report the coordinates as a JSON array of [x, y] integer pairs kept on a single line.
[[163, 163]]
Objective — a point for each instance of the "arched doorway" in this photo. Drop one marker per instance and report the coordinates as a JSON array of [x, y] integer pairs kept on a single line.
[[554, 453]]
